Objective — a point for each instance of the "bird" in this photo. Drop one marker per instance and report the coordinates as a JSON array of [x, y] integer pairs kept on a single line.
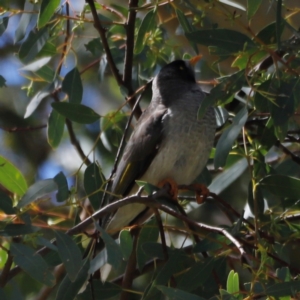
[[168, 141]]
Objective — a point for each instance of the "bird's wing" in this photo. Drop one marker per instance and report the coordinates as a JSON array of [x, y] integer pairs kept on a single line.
[[140, 149]]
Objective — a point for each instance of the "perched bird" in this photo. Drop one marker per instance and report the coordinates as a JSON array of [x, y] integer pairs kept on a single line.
[[168, 141]]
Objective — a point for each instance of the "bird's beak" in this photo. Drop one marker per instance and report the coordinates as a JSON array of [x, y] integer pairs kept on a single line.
[[195, 59]]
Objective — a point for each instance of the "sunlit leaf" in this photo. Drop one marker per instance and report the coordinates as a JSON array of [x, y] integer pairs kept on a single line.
[[252, 7], [11, 178], [37, 191], [47, 10], [146, 25], [20, 32], [36, 100], [33, 44]]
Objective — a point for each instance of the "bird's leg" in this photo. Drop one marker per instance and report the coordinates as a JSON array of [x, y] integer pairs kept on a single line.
[[200, 190], [172, 185]]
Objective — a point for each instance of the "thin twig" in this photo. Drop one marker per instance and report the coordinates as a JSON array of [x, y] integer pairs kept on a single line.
[[28, 128], [149, 201], [129, 274], [128, 62], [102, 32]]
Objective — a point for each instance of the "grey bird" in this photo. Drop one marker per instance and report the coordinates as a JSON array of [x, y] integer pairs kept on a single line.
[[168, 141]]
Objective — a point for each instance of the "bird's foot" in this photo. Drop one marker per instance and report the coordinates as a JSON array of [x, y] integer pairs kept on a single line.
[[200, 190], [172, 185]]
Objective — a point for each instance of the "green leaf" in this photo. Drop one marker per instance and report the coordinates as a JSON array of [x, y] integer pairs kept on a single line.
[[187, 27], [63, 190], [177, 294], [36, 65], [37, 190], [148, 233], [232, 285], [114, 253], [56, 125], [230, 41], [20, 32], [278, 23], [72, 86], [6, 204], [224, 92], [192, 279], [32, 263], [46, 73], [112, 126], [47, 10], [33, 45], [252, 7], [228, 176], [70, 254], [283, 289], [18, 229], [101, 290], [48, 49], [146, 26], [3, 295], [11, 178], [3, 24], [36, 100], [2, 81], [228, 137], [172, 266], [282, 186], [154, 250], [76, 112], [148, 187], [95, 47], [69, 289], [268, 34], [126, 243], [94, 184], [260, 203]]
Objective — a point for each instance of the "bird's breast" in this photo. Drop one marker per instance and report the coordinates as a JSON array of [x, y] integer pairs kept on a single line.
[[185, 146]]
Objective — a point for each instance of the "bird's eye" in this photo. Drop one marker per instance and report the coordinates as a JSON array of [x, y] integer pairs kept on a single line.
[[181, 68]]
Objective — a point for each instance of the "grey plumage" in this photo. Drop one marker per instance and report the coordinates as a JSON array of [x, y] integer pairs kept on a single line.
[[168, 140]]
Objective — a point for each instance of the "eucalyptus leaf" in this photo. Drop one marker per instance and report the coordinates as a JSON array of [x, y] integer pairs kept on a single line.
[[32, 263], [76, 112], [37, 190], [70, 255], [72, 86], [228, 137], [11, 178]]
